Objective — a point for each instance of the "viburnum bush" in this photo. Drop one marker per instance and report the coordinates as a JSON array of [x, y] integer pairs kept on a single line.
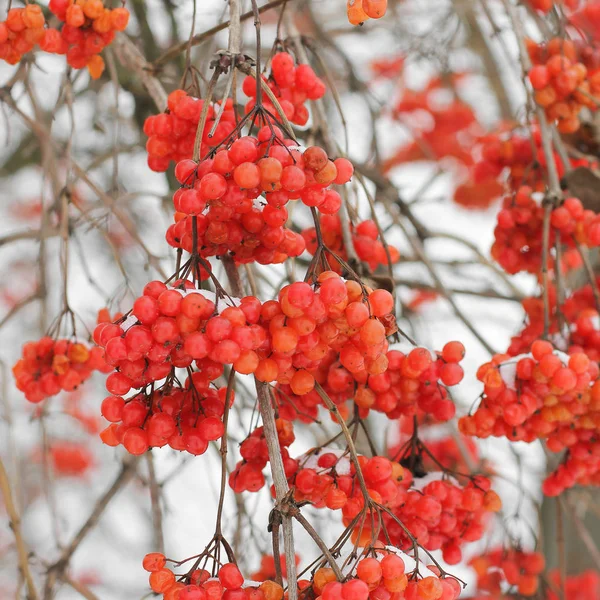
[[344, 258]]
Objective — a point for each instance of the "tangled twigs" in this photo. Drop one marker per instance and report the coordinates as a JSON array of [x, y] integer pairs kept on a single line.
[[197, 39], [56, 570], [15, 525]]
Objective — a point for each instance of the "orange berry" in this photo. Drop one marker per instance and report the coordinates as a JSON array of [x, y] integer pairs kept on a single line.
[[95, 66], [355, 12], [93, 9], [154, 561], [161, 580], [75, 16], [119, 18], [375, 8]]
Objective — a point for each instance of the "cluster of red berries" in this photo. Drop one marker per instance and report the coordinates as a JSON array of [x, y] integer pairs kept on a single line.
[[221, 193], [359, 11], [172, 134], [415, 381], [450, 133], [384, 577], [574, 326], [48, 366], [581, 464], [247, 475], [257, 235], [518, 235], [88, 27], [530, 396], [585, 586], [307, 322], [67, 459], [266, 164], [581, 335], [399, 390], [520, 157], [566, 78], [184, 418], [217, 208], [328, 479], [22, 30], [291, 84], [173, 327], [516, 568], [443, 514], [199, 585], [365, 240]]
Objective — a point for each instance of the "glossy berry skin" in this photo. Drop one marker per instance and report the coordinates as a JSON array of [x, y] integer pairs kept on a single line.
[[291, 84], [48, 366]]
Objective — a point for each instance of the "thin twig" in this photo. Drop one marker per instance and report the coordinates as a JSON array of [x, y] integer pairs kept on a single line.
[[201, 37], [280, 483], [15, 525]]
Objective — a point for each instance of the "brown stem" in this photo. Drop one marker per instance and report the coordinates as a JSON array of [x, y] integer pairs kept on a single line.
[[15, 525], [233, 275], [280, 483]]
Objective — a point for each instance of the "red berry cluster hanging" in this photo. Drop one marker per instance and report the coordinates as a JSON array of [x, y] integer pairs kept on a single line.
[[385, 576], [365, 240], [48, 366], [172, 134], [309, 321], [22, 30], [88, 27], [247, 475], [415, 381], [518, 156], [223, 192], [581, 463], [518, 236], [266, 164], [185, 418], [327, 478], [173, 327], [574, 326], [441, 513], [291, 84], [519, 569], [198, 584], [566, 78], [530, 396]]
